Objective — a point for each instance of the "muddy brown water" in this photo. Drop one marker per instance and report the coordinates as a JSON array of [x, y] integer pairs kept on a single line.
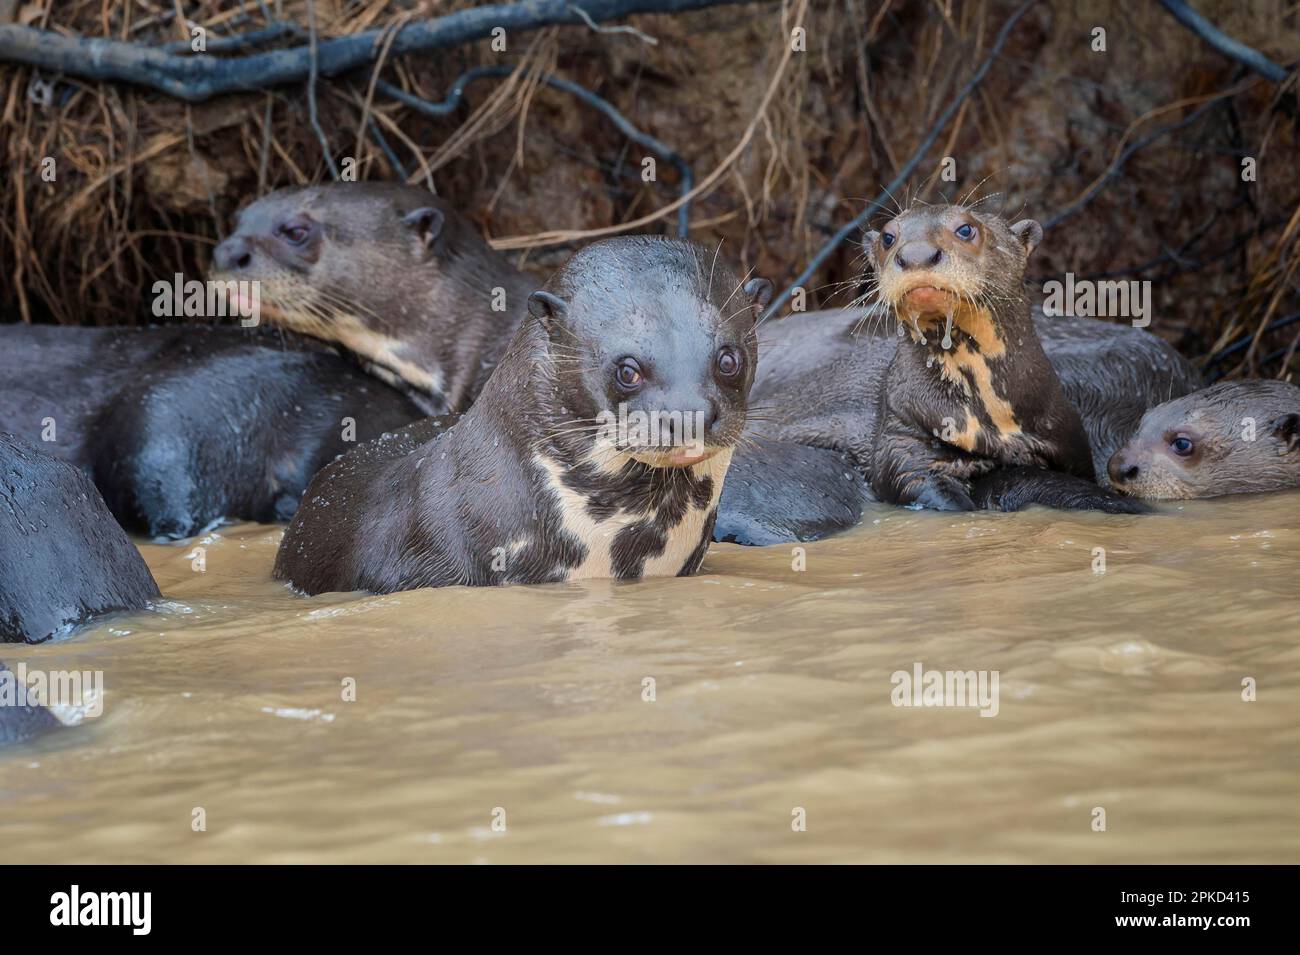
[[772, 687]]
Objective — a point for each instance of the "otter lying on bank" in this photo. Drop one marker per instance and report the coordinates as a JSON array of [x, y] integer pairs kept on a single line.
[[541, 480], [359, 264], [1235, 437], [181, 426]]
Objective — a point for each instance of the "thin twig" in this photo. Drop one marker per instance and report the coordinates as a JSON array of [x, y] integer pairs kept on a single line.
[[311, 93], [858, 221], [710, 181], [633, 31], [455, 96]]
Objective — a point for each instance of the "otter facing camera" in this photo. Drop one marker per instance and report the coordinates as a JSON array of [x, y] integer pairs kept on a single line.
[[427, 223]]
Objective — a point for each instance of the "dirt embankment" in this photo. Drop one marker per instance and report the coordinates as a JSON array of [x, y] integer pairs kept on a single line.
[[1133, 155]]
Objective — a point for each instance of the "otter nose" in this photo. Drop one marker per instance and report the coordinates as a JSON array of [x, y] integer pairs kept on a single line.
[[233, 255], [687, 420], [711, 417], [1121, 469], [693, 425], [918, 254]]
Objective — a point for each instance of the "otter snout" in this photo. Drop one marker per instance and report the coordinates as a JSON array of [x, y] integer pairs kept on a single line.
[[1122, 468], [676, 423], [694, 423], [233, 255], [918, 254]]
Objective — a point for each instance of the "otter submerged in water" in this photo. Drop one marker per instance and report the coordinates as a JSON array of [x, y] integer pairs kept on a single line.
[[539, 481]]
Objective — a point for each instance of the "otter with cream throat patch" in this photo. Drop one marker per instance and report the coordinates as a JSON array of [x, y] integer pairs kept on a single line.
[[389, 271], [969, 390], [597, 449]]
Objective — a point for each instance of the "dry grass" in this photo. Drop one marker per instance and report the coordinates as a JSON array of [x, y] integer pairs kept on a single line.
[[146, 185]]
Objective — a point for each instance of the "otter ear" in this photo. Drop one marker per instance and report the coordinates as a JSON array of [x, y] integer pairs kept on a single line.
[[1029, 232], [426, 223], [1287, 429], [759, 291], [547, 308], [869, 239]]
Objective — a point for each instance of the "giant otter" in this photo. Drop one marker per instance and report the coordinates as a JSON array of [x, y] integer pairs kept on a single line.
[[1234, 437], [184, 425], [63, 559], [970, 389], [552, 474]]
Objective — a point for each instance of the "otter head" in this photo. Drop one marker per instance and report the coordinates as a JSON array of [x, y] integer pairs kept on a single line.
[[936, 262], [654, 349], [361, 264], [1231, 438]]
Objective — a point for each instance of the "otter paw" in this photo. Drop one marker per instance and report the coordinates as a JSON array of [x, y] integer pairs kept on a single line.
[[939, 492], [1113, 503], [1011, 489]]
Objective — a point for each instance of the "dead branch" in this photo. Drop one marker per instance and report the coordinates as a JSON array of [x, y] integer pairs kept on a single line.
[[1207, 31], [199, 77]]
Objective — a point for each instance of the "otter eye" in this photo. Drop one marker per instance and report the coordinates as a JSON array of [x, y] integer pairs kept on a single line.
[[729, 362], [965, 231], [294, 233], [627, 374], [886, 239], [1182, 445]]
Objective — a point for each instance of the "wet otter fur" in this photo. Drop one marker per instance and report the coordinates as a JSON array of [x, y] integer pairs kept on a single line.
[[530, 486], [182, 426], [1235, 437], [22, 721], [63, 559], [819, 386], [970, 389]]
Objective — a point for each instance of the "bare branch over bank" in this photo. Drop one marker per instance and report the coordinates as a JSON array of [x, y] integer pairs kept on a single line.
[[199, 77]]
